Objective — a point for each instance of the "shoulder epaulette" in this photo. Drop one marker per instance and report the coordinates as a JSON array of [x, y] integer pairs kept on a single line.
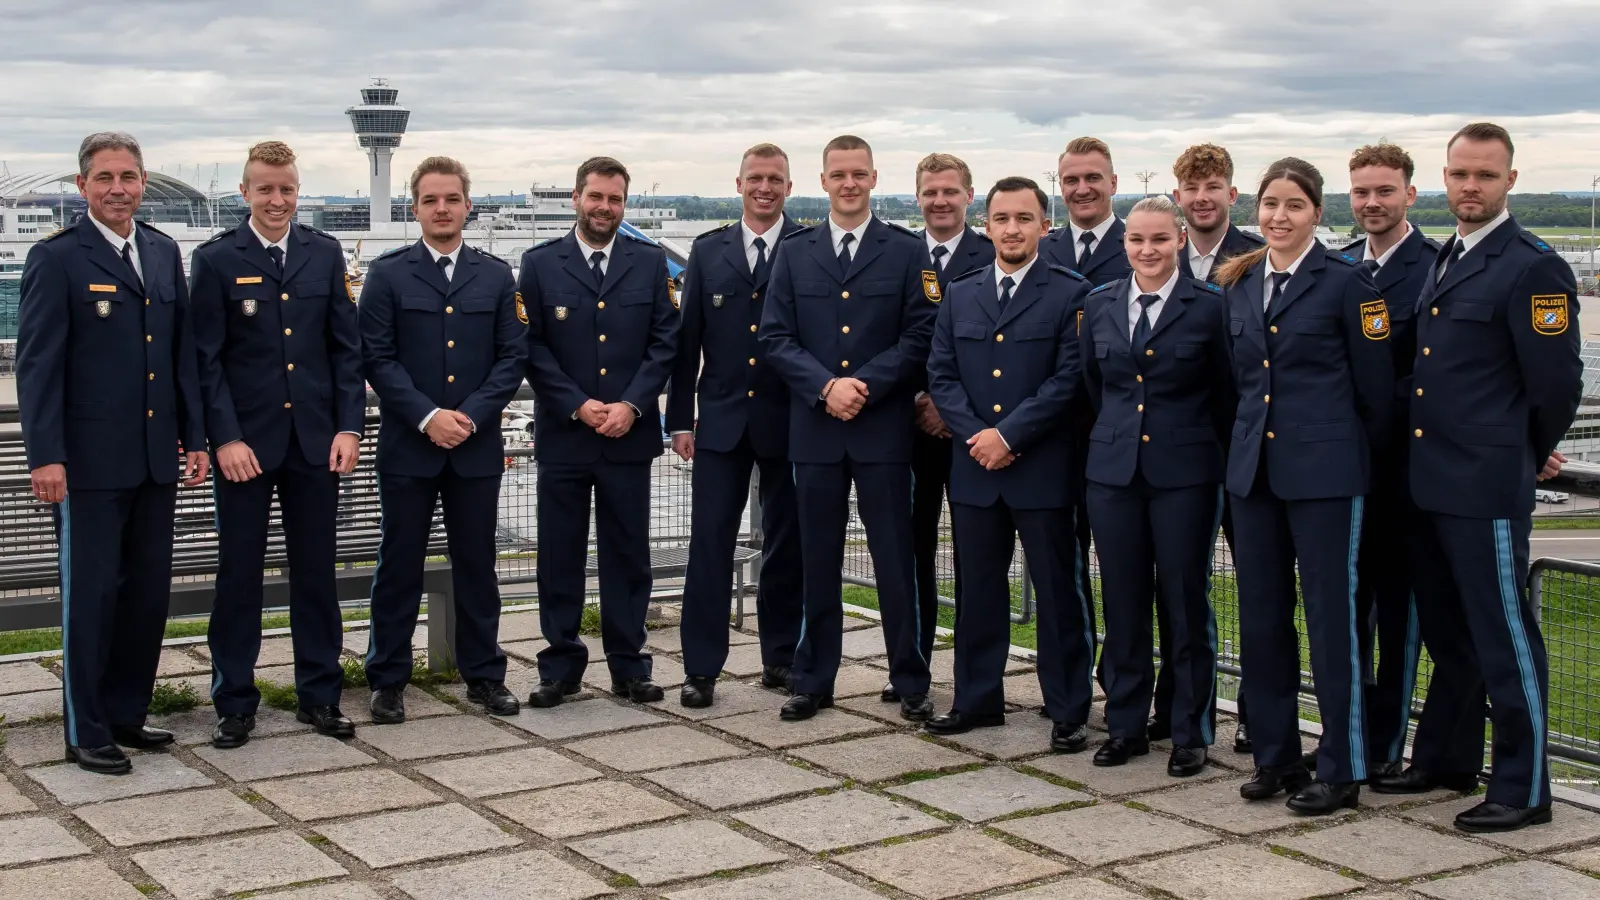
[[1252, 237], [717, 230], [1358, 242], [395, 252], [216, 237], [1432, 244], [901, 228], [547, 242], [156, 232], [1066, 271], [986, 239], [637, 240], [802, 230], [487, 255], [319, 232], [1103, 287], [1206, 285], [1537, 242], [968, 274], [1345, 258], [54, 234]]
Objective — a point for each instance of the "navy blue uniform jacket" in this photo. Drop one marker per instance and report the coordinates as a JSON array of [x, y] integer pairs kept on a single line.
[[103, 368], [1169, 413], [613, 344], [277, 353], [872, 323], [721, 308], [426, 345], [1316, 380], [1018, 371], [974, 251], [1400, 282], [1234, 243], [1108, 262], [1498, 377]]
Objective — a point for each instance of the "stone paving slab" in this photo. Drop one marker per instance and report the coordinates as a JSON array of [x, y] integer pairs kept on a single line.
[[527, 651], [1523, 880], [1371, 799], [588, 808], [835, 821], [1022, 735], [1107, 833], [1568, 825], [417, 835], [859, 681], [1142, 773], [697, 848], [884, 756], [438, 737], [339, 890], [275, 651], [153, 773], [943, 698], [664, 671], [67, 881], [766, 729], [1023, 690], [195, 726], [507, 773], [1073, 889], [670, 640], [281, 674], [1236, 872], [984, 794], [250, 863], [151, 820], [863, 644], [532, 875], [949, 865], [353, 792], [34, 840], [799, 883], [1587, 859], [1389, 850], [654, 748], [11, 799], [740, 782], [19, 708], [574, 720], [356, 704], [522, 626], [33, 745], [732, 698], [1218, 804], [26, 677], [744, 661], [942, 666], [278, 757]]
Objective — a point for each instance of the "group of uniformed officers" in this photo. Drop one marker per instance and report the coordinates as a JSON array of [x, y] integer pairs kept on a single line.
[[1364, 427]]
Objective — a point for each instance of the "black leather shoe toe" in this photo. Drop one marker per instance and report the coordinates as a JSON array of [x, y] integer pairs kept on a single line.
[[388, 705], [1068, 737], [1158, 729], [141, 737], [1269, 781], [1118, 750], [697, 692], [776, 677], [1321, 798], [1241, 739], [1420, 781], [232, 732], [889, 694], [803, 706], [551, 693], [639, 690], [327, 720], [957, 722], [494, 697], [1493, 817], [1186, 761], [108, 760], [916, 708]]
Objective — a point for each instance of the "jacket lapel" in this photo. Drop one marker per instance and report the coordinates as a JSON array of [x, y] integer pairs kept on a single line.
[[989, 296], [1109, 246], [423, 267], [1302, 280], [1176, 305], [149, 261], [621, 261], [102, 255], [577, 262], [733, 251], [1251, 282], [871, 247], [822, 250], [466, 270], [1472, 262], [302, 252], [249, 246], [1026, 294]]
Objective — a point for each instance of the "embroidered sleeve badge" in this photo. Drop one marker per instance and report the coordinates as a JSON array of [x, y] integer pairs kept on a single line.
[[930, 286], [522, 311], [1375, 320], [1550, 313]]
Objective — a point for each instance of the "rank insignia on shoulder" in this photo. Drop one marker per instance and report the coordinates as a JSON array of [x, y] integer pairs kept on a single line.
[[1550, 313], [561, 313], [247, 306], [1375, 320], [716, 300], [102, 289], [522, 311], [102, 308], [252, 279], [930, 286]]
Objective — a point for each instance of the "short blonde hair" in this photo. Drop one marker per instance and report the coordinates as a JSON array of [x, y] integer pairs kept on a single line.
[[268, 153], [440, 165], [1159, 203], [1085, 145], [944, 162]]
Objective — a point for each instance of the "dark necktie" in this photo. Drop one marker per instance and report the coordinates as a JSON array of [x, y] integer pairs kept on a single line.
[[276, 253], [1457, 247], [760, 272], [1372, 266], [844, 252], [595, 259], [1279, 279], [1141, 329], [127, 257], [1087, 240], [939, 253], [1006, 284], [444, 267]]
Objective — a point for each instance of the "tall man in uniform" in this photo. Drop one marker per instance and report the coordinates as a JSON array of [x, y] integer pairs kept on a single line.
[[849, 314], [280, 371], [444, 345], [1495, 386], [1004, 371], [944, 191], [743, 423], [602, 331], [107, 385], [1400, 259]]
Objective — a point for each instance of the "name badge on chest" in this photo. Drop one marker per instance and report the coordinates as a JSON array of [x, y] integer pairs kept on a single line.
[[248, 306]]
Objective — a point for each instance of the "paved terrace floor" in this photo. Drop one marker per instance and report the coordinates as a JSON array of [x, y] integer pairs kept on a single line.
[[608, 798]]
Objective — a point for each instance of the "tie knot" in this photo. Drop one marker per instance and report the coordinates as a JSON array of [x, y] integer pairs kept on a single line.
[[1460, 248], [443, 261], [1278, 278], [597, 257], [1146, 299], [1008, 282], [276, 253], [1371, 265], [1086, 238], [847, 240], [759, 243], [940, 252]]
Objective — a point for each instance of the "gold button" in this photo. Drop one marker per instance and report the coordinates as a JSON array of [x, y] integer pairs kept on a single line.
[[288, 331], [1145, 438], [752, 360], [1274, 329], [285, 297], [1139, 408], [1436, 310], [1267, 399], [999, 337], [1419, 392], [844, 364], [845, 329], [1149, 353], [600, 305], [150, 414], [844, 295], [750, 393], [997, 407], [1266, 364], [1270, 435], [756, 296], [287, 404], [147, 301], [997, 373], [450, 379], [1139, 378], [152, 376], [602, 339], [1418, 432], [450, 344], [1426, 351], [602, 371], [752, 329], [148, 338], [291, 367], [449, 309]]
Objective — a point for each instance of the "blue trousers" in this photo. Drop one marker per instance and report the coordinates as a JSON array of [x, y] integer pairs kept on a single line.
[[930, 475], [1387, 622]]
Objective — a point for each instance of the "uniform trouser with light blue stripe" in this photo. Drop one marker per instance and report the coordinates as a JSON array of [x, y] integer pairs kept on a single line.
[[1157, 543], [883, 499], [116, 580], [1386, 620], [987, 536], [1481, 633], [1324, 538]]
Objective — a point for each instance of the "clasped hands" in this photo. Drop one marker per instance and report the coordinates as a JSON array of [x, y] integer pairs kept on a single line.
[[612, 420]]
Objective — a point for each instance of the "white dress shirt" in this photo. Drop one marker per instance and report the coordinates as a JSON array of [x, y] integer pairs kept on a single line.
[[1200, 263], [838, 232], [1472, 240], [1134, 309], [1099, 232], [118, 242], [588, 251], [1388, 254], [1268, 271], [770, 236], [1016, 277], [949, 246], [449, 270], [281, 243]]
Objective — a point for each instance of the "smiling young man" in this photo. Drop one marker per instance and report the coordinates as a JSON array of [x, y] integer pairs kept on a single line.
[[280, 371], [1206, 195]]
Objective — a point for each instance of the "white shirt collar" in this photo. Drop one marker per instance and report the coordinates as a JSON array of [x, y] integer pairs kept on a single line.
[[1163, 292], [1098, 230], [116, 240], [949, 245], [750, 235], [1469, 241], [838, 233], [281, 243], [453, 255], [1366, 251], [1016, 277], [1268, 270], [588, 251]]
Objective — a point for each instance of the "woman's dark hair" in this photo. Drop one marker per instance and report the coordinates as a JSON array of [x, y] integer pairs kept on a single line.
[[1304, 176]]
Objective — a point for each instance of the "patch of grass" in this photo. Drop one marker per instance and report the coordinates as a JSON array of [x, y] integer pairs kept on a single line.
[[1141, 807], [146, 888], [40, 640], [168, 698], [355, 672], [1553, 523], [929, 775], [1056, 780], [251, 797], [622, 881], [316, 839], [590, 623], [422, 676], [1043, 810], [278, 696]]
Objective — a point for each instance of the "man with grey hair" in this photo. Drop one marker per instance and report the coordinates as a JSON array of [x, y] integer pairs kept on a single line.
[[105, 360]]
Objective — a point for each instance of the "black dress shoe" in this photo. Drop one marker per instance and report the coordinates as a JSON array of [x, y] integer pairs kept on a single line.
[[957, 722], [1065, 737], [1186, 761], [698, 692], [803, 706], [389, 705], [233, 732], [141, 737], [1241, 739], [493, 697], [776, 677], [1321, 798], [639, 690], [916, 708], [552, 693], [1118, 750], [1420, 781], [109, 760], [889, 694], [1270, 780], [1489, 817], [326, 720], [1158, 729], [1384, 770]]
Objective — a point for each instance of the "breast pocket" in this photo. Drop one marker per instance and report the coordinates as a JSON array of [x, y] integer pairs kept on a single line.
[[1316, 325], [250, 302], [1187, 351], [1102, 350], [310, 290], [1032, 331], [971, 331], [1472, 312], [421, 303], [634, 298], [1236, 327]]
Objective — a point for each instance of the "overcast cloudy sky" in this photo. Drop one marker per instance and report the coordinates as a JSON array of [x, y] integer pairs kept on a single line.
[[522, 91]]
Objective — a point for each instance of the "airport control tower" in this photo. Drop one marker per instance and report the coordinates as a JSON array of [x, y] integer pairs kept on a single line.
[[379, 122]]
